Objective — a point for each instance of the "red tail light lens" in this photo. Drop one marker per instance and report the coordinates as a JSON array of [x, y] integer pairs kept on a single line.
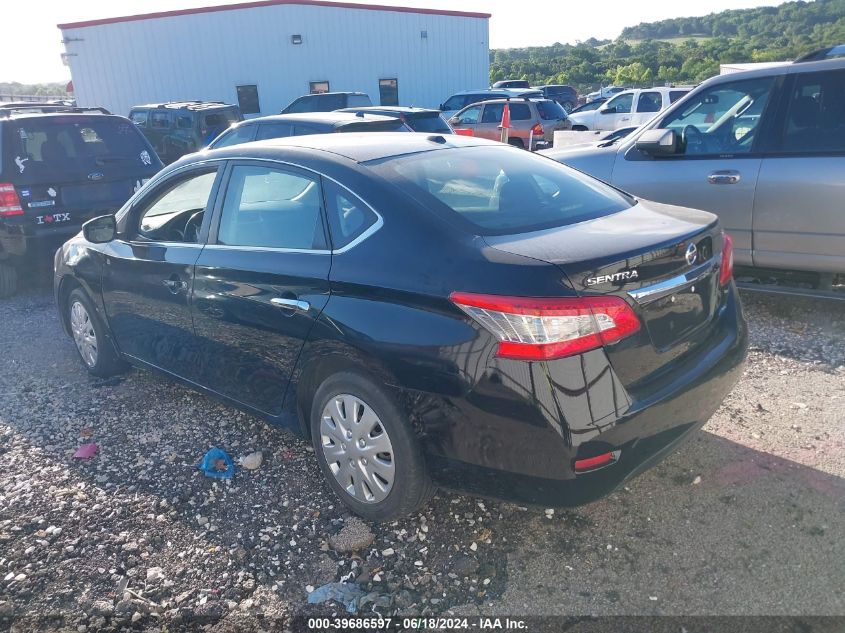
[[594, 463], [726, 271], [10, 204], [543, 329], [537, 130]]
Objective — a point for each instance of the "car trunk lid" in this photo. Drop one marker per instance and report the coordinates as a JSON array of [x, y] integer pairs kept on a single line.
[[658, 258]]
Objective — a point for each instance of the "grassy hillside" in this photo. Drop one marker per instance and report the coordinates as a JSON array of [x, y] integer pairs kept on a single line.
[[680, 50]]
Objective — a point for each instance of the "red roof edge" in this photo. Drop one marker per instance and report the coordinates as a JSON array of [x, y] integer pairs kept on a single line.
[[269, 3]]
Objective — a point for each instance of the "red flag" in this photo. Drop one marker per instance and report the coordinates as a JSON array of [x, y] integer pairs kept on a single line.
[[506, 117]]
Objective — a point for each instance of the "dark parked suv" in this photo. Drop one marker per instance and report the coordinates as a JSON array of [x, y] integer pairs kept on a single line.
[[566, 96], [182, 127], [60, 166], [426, 309]]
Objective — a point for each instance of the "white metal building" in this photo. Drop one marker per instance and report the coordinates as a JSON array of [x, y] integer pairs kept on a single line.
[[277, 50]]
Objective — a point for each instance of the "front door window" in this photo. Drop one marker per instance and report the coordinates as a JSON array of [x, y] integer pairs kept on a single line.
[[721, 120]]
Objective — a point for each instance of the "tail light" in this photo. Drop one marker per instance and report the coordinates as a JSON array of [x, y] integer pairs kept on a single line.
[[726, 270], [537, 130], [10, 204], [547, 328], [594, 463]]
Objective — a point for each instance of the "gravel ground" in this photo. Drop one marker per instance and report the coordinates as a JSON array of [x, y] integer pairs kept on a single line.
[[747, 518]]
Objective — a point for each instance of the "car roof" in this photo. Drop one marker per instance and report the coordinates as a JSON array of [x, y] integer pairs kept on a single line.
[[400, 109], [358, 147], [343, 92], [773, 71], [506, 91], [326, 118], [186, 105], [62, 115]]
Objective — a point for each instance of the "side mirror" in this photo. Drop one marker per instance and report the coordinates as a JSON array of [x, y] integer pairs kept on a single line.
[[100, 230], [454, 121], [659, 142], [610, 110], [442, 107]]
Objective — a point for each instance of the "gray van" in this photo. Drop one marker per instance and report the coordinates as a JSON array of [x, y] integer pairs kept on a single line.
[[763, 149]]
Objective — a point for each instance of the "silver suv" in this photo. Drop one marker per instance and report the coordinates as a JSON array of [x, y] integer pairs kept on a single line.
[[763, 149]]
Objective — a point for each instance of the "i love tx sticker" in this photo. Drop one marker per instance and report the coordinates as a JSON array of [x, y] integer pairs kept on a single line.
[[53, 218]]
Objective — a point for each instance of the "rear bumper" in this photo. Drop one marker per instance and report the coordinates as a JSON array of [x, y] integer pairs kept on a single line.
[[501, 450]]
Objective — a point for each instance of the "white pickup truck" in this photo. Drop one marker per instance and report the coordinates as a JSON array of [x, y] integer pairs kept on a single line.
[[630, 108]]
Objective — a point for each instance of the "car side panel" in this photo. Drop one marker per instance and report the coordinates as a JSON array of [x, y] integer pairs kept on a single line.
[[799, 214]]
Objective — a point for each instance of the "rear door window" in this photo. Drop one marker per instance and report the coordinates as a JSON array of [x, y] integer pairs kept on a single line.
[[649, 102], [520, 111], [493, 113], [497, 191], [674, 95], [815, 119], [271, 208], [455, 103]]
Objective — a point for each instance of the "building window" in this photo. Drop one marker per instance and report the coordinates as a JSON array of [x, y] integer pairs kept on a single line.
[[318, 87], [388, 90], [296, 39], [424, 35], [248, 99]]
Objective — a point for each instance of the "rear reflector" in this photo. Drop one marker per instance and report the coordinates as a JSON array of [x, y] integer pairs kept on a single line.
[[726, 270], [546, 328], [10, 204], [594, 463]]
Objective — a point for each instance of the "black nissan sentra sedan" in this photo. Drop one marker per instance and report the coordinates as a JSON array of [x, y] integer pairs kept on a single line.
[[427, 310]]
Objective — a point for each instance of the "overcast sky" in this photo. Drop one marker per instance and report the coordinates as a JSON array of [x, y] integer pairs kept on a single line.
[[30, 47]]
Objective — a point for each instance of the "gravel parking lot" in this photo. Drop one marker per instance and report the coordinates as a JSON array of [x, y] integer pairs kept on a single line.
[[747, 518]]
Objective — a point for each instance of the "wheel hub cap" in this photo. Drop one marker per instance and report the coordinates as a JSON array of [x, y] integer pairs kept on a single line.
[[83, 333], [357, 448]]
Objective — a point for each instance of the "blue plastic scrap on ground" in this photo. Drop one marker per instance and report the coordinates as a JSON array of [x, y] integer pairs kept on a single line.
[[348, 594], [213, 460]]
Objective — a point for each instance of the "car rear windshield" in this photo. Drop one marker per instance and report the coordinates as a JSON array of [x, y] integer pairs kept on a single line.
[[551, 110], [374, 126], [428, 122], [492, 190], [50, 146]]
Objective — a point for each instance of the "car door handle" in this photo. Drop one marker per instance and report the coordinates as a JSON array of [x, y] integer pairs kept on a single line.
[[175, 285], [291, 304], [726, 177]]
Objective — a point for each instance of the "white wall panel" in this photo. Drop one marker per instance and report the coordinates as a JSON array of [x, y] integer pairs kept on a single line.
[[205, 55]]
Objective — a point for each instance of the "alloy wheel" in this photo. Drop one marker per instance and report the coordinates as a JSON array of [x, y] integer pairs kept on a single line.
[[357, 448], [83, 333]]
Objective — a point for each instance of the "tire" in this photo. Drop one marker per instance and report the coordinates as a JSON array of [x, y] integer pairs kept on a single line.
[[89, 331], [8, 280], [377, 421], [516, 142]]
